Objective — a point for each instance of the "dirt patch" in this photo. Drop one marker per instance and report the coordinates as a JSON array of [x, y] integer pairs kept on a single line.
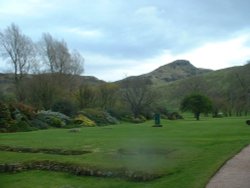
[[79, 170], [44, 150]]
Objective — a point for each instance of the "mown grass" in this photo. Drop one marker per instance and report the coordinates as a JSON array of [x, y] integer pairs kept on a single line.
[[186, 152]]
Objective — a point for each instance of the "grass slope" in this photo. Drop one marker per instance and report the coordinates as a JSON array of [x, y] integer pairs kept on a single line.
[[187, 152]]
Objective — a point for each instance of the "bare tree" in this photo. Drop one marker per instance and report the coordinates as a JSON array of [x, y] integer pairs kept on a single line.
[[243, 79], [18, 49], [107, 95], [57, 56], [60, 64], [42, 91], [76, 65], [138, 95]]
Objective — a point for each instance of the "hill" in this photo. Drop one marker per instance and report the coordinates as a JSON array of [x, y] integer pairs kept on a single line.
[[228, 88], [177, 70]]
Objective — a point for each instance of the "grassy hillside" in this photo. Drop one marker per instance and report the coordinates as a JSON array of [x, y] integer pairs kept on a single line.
[[184, 153], [176, 70], [224, 85], [173, 81]]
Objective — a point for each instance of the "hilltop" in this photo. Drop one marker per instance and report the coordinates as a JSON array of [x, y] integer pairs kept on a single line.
[[176, 70]]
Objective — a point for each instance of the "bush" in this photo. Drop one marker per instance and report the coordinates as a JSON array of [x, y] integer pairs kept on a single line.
[[55, 122], [23, 109], [248, 122], [132, 119], [174, 116], [84, 121], [39, 124], [218, 115], [54, 119], [5, 117], [16, 117], [64, 106], [20, 126], [99, 116], [118, 112]]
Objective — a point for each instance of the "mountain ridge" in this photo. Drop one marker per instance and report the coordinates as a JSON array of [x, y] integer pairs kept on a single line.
[[176, 70]]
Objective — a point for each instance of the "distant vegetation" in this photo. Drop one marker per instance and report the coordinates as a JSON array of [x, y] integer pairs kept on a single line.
[[46, 77], [197, 104]]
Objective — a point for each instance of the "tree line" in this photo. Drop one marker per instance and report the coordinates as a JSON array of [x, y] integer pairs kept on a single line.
[[46, 75], [48, 56]]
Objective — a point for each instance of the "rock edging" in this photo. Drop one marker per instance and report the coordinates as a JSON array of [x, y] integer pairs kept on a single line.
[[79, 170]]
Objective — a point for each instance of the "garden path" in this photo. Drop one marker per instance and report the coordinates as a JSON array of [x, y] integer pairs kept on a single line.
[[235, 173]]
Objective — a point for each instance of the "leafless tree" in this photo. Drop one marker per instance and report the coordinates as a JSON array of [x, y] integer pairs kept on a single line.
[[138, 95], [243, 80], [76, 65], [57, 56], [18, 49], [107, 95]]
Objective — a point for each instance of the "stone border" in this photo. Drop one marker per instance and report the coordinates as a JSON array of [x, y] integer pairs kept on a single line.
[[55, 151], [79, 170]]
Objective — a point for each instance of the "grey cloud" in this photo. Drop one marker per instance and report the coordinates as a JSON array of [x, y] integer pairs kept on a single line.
[[143, 28]]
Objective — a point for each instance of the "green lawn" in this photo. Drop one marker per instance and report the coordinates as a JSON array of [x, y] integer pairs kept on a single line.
[[186, 153]]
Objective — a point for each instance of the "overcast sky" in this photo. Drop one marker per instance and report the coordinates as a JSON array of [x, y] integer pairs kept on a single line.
[[120, 38]]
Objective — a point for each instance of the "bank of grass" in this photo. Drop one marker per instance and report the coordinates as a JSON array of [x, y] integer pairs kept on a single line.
[[186, 152]]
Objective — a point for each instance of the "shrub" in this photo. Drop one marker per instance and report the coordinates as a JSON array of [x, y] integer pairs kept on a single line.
[[99, 116], [5, 117], [16, 117], [248, 122], [54, 119], [39, 124], [84, 121], [20, 126], [25, 110], [64, 106], [118, 111], [132, 119], [59, 115], [218, 115], [56, 122], [174, 116]]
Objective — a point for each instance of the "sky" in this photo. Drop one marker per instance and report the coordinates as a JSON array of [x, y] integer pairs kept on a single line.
[[121, 38]]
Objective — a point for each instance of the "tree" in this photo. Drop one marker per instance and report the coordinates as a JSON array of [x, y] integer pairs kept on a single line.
[[138, 95], [58, 58], [107, 95], [86, 96], [243, 87], [19, 50], [60, 66], [42, 91], [197, 104]]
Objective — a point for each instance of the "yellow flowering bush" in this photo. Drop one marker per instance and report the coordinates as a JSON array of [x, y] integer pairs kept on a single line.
[[84, 121]]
